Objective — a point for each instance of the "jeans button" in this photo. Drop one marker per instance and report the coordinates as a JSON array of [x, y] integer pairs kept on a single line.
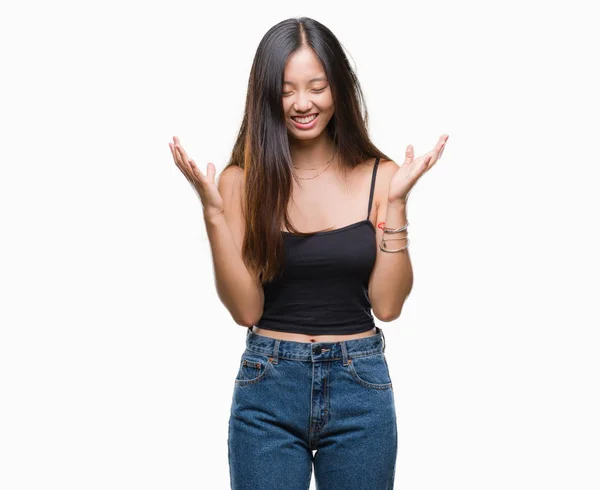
[[317, 349]]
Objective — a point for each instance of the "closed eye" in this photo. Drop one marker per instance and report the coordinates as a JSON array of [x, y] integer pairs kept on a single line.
[[317, 91]]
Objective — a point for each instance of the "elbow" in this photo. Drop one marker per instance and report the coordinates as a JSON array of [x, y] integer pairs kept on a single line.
[[245, 313], [388, 315], [243, 323], [391, 312], [248, 320]]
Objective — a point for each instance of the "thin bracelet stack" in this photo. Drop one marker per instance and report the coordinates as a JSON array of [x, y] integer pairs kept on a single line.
[[392, 230]]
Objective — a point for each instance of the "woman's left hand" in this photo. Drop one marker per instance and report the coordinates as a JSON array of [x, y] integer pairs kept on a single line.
[[411, 170]]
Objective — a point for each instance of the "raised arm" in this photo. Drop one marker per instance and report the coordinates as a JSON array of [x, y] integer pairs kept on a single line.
[[242, 295]]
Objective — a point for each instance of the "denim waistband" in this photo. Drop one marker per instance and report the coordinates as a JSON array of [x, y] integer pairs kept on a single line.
[[315, 351]]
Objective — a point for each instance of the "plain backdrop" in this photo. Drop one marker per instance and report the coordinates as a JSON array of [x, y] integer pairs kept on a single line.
[[117, 359]]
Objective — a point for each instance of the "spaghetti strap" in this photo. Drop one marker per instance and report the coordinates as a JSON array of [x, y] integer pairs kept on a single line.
[[372, 186]]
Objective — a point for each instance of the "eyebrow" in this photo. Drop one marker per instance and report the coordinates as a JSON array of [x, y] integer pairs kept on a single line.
[[316, 79]]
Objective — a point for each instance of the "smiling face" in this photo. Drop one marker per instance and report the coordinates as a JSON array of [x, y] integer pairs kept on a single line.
[[307, 99]]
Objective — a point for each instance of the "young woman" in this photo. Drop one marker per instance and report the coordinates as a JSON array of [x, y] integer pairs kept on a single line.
[[313, 375]]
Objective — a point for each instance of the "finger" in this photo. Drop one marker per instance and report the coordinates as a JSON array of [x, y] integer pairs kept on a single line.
[[180, 149], [185, 162], [181, 161], [186, 169], [182, 152], [197, 172], [436, 153], [441, 144], [410, 154], [211, 171], [426, 162], [176, 141], [176, 156], [441, 151], [435, 156]]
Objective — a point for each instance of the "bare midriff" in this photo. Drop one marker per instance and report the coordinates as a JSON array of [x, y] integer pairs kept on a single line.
[[301, 337]]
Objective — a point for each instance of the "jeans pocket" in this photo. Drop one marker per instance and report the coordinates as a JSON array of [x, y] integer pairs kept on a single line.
[[371, 371], [254, 368]]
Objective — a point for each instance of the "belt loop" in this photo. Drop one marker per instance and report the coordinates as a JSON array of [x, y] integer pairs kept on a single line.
[[383, 338], [275, 357], [344, 353]]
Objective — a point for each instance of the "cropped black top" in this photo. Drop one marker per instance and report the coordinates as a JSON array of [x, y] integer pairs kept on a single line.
[[323, 288]]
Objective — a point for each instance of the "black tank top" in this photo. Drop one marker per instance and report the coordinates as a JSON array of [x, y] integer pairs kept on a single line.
[[323, 288]]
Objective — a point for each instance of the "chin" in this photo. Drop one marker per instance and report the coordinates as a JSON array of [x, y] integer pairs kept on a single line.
[[305, 135]]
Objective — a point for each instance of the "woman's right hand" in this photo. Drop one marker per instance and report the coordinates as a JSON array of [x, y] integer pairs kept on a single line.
[[204, 185]]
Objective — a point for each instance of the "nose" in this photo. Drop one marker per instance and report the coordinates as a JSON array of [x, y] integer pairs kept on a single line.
[[302, 103]]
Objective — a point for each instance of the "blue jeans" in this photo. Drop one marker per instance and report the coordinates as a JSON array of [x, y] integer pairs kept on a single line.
[[293, 398]]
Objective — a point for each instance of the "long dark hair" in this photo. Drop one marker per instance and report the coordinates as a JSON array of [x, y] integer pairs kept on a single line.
[[262, 146]]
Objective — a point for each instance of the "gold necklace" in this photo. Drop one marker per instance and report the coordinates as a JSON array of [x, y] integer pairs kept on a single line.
[[315, 176], [315, 168]]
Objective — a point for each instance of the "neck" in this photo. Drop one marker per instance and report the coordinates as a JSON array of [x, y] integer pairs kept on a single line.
[[312, 153]]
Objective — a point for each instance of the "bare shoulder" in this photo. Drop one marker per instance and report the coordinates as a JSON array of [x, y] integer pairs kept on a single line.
[[231, 186], [230, 180]]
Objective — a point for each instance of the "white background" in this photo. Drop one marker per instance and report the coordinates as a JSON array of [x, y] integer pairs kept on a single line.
[[117, 359]]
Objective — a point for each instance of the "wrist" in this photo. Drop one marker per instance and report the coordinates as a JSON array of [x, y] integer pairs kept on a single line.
[[396, 215], [397, 203], [214, 217]]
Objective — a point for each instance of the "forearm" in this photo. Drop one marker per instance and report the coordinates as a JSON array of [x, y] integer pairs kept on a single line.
[[237, 289], [392, 277]]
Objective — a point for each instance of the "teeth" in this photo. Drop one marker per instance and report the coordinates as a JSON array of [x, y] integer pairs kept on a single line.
[[304, 120]]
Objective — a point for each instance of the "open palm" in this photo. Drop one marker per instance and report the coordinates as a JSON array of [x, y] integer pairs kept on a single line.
[[204, 185], [413, 168]]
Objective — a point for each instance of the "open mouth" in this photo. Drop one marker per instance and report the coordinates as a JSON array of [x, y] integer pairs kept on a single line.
[[305, 122]]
